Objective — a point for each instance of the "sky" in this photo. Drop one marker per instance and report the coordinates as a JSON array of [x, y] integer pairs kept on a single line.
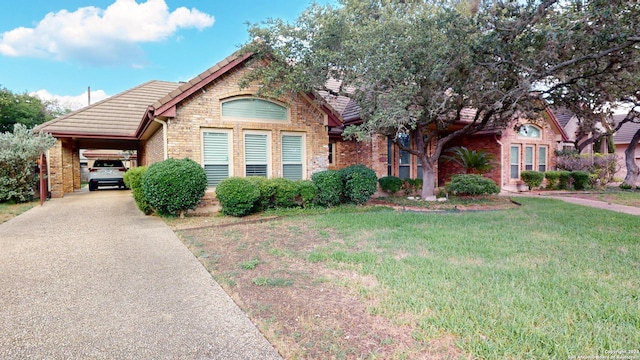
[[58, 49]]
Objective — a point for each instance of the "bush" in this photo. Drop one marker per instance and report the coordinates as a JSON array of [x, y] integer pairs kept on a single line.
[[174, 186], [238, 196], [329, 186], [390, 184], [133, 179], [308, 192], [267, 192], [472, 184], [552, 179], [286, 193], [581, 179], [533, 179], [564, 180], [360, 183]]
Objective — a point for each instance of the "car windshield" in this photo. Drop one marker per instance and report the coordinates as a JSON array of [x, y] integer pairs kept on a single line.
[[108, 163]]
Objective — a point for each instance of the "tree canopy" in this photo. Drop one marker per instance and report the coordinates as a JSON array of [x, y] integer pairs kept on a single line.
[[25, 109], [414, 66]]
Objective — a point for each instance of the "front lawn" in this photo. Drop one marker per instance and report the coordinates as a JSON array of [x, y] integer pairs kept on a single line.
[[545, 280], [613, 195], [8, 211]]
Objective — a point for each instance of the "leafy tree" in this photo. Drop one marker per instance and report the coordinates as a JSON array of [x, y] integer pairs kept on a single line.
[[417, 67], [472, 161], [19, 151], [26, 109]]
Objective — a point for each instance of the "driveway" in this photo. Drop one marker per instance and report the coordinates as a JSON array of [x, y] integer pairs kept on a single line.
[[90, 277]]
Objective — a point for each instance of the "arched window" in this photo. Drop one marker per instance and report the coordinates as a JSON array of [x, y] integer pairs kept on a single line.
[[530, 131], [254, 109]]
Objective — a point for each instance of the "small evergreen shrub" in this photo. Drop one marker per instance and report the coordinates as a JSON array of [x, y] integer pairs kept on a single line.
[[174, 186], [238, 196], [286, 193], [581, 179], [390, 184], [308, 192], [360, 183], [564, 180], [329, 186], [533, 179], [133, 180], [552, 179], [472, 184], [625, 186], [267, 192]]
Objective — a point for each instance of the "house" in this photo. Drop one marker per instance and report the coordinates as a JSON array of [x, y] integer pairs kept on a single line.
[[232, 132], [622, 139]]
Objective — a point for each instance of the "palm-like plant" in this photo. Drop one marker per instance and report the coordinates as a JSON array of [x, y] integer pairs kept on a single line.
[[472, 161]]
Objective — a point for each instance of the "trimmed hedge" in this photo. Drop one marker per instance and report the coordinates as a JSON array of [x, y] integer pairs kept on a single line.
[[472, 184], [308, 192], [581, 179], [330, 187], [552, 179], [564, 180], [174, 186], [533, 179], [133, 180], [360, 183], [390, 184], [238, 196]]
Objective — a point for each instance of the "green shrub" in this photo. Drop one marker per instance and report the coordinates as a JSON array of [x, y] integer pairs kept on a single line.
[[133, 179], [533, 179], [625, 186], [329, 186], [564, 180], [581, 179], [286, 193], [359, 182], [238, 196], [267, 192], [308, 192], [174, 186], [552, 179], [390, 184], [472, 184]]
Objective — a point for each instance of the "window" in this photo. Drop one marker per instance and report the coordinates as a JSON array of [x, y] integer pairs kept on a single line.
[[256, 153], [292, 155], [254, 109], [530, 131], [216, 156], [389, 156], [332, 150], [515, 162], [528, 158], [542, 158], [404, 171]]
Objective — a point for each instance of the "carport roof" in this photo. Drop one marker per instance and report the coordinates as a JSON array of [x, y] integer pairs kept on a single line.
[[115, 117]]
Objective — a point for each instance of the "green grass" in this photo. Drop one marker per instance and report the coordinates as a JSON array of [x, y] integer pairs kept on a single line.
[[547, 280], [8, 211]]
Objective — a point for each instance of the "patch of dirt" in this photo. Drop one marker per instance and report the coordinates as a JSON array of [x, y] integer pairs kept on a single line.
[[306, 309]]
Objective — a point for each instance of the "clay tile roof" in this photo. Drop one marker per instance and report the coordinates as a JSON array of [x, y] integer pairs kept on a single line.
[[117, 116], [626, 132], [563, 115]]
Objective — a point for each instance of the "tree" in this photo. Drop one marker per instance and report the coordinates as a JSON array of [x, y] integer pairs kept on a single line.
[[415, 67], [19, 151], [25, 109]]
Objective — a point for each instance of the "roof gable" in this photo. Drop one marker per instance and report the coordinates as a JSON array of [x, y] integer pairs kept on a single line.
[[626, 131]]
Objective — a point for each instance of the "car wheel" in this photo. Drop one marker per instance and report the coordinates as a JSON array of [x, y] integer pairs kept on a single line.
[[92, 187]]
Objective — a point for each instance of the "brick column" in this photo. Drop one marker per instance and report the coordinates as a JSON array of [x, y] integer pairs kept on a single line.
[[55, 170]]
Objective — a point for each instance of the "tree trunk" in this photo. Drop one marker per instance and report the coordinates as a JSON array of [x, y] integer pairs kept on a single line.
[[428, 180], [630, 161]]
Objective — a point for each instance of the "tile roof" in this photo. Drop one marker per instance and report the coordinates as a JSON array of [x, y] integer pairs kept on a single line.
[[563, 115], [116, 116], [626, 132]]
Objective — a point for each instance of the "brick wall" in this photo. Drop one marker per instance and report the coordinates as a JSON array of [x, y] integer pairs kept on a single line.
[[371, 153], [152, 150]]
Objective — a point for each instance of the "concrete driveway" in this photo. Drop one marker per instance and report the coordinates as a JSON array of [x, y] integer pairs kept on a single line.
[[90, 277]]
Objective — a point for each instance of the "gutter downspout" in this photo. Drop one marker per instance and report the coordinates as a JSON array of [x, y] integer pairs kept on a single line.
[[165, 137], [501, 160]]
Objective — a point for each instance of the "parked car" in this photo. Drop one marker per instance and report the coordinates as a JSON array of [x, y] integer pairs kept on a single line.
[[106, 173]]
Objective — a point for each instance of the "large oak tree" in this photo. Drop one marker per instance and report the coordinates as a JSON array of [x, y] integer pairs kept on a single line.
[[413, 66]]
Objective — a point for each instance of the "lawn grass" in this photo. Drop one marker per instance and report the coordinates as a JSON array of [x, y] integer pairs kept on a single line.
[[8, 211], [547, 280]]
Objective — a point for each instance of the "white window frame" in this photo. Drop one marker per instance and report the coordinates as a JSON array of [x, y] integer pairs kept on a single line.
[[268, 144], [303, 151], [518, 148], [229, 155], [543, 160], [254, 119], [529, 162]]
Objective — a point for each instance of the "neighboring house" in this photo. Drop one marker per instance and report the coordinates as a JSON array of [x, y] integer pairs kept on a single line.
[[232, 132], [621, 139]]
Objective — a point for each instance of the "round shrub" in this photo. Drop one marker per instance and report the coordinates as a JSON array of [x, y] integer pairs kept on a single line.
[[329, 186], [581, 179], [472, 184], [533, 179], [390, 184], [286, 193], [308, 192], [174, 186], [133, 179], [564, 179], [238, 196], [360, 183], [552, 179], [267, 192]]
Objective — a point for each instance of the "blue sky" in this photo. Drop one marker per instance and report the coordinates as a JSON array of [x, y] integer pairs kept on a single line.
[[56, 49]]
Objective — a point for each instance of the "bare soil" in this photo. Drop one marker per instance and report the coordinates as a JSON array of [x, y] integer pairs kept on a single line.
[[306, 309]]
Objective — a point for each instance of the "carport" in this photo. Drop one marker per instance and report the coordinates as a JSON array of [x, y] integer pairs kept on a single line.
[[111, 124]]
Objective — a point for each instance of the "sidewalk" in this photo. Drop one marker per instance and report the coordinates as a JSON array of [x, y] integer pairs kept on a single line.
[[631, 210], [89, 276]]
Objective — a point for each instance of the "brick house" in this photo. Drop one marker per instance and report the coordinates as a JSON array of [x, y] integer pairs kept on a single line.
[[232, 132]]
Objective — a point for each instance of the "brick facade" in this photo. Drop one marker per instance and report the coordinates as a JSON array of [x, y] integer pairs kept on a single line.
[[152, 150]]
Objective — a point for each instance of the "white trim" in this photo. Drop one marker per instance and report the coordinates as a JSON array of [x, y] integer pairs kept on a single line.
[[303, 152], [269, 150], [230, 141]]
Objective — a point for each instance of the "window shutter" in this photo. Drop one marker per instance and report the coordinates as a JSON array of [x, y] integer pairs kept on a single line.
[[216, 157], [292, 157]]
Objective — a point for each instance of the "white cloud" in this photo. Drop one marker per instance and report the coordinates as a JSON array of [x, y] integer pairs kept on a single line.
[[101, 36], [71, 102]]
